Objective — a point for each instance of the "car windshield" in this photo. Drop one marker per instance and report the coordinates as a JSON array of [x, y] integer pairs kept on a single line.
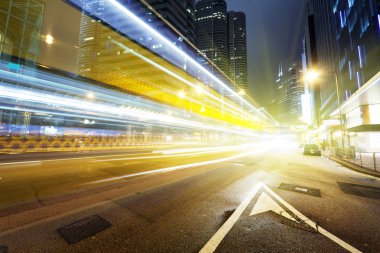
[[314, 146]]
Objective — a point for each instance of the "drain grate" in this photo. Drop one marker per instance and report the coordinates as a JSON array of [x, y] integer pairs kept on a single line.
[[83, 229], [300, 189], [3, 249], [360, 190]]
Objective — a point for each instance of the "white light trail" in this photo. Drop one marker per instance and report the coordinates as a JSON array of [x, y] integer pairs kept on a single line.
[[181, 94], [180, 167], [110, 111], [165, 156], [181, 52]]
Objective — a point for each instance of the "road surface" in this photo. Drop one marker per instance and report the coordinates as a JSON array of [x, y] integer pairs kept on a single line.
[[255, 198]]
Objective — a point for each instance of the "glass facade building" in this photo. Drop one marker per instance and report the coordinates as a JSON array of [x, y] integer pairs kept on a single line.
[[20, 27], [212, 35], [289, 89], [343, 42], [237, 49]]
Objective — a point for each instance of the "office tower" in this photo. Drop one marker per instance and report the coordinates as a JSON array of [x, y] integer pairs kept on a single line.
[[212, 34], [179, 13], [20, 27], [358, 37], [343, 39], [289, 89], [322, 52], [347, 49], [237, 44]]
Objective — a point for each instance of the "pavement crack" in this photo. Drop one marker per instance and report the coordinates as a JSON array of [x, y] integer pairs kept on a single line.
[[36, 194]]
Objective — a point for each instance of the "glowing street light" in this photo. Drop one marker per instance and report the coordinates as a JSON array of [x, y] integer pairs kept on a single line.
[[49, 39], [242, 92], [203, 109], [311, 76]]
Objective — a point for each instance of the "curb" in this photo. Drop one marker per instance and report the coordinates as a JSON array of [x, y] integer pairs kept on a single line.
[[354, 167]]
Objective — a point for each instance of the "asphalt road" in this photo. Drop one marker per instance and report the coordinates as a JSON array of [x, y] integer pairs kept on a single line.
[[208, 200]]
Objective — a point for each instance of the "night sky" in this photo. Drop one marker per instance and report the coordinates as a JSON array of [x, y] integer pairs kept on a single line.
[[275, 29]]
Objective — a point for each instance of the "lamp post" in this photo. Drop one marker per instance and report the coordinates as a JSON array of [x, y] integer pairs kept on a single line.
[[312, 76]]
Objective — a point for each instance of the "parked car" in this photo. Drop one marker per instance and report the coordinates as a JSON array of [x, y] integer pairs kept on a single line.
[[311, 149]]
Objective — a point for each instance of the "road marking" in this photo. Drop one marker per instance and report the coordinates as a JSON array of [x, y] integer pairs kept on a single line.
[[189, 150], [64, 159], [26, 162], [157, 156], [214, 242], [93, 157], [265, 203], [179, 167]]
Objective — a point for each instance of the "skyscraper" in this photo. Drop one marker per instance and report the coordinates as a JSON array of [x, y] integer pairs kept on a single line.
[[179, 13], [289, 89], [237, 45], [344, 43], [321, 51], [212, 34]]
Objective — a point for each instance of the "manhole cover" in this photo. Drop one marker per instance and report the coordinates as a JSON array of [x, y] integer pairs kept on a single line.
[[83, 229], [300, 189], [360, 190], [3, 249]]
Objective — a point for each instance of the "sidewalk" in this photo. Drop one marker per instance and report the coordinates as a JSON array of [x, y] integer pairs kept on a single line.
[[351, 165]]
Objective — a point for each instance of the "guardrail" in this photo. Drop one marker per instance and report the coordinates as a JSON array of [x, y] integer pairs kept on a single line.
[[369, 160]]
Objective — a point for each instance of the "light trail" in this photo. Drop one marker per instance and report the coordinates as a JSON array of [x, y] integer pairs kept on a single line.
[[116, 111], [187, 150], [180, 167], [38, 162], [192, 85], [177, 50], [175, 154]]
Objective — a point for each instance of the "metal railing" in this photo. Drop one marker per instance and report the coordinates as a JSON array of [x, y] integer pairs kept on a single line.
[[369, 160]]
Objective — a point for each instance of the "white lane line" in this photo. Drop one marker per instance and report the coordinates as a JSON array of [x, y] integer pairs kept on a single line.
[[64, 159], [214, 242], [189, 150], [179, 167], [25, 162], [160, 156]]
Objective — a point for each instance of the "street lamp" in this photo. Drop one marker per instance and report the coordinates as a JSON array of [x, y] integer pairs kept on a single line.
[[49, 39], [312, 76]]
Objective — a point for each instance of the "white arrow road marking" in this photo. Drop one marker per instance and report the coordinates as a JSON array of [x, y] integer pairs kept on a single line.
[[214, 242], [265, 203]]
